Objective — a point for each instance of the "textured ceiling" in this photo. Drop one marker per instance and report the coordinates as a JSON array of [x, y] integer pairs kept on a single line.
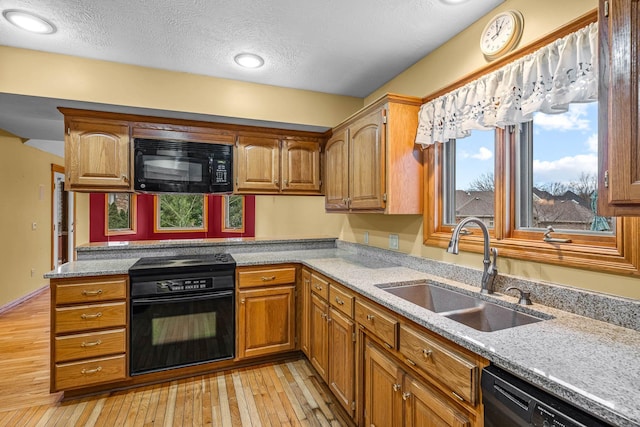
[[347, 47]]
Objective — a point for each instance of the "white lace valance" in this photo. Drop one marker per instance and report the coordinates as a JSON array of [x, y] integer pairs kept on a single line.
[[547, 80]]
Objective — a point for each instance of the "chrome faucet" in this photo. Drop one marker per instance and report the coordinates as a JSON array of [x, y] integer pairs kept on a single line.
[[490, 271]]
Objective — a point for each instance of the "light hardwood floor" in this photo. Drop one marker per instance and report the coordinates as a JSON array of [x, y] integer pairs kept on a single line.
[[282, 394]]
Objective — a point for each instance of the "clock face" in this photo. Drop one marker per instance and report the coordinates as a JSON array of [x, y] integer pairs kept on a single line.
[[501, 34]]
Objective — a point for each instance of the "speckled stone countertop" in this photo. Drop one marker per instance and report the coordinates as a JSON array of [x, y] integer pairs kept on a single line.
[[591, 363]]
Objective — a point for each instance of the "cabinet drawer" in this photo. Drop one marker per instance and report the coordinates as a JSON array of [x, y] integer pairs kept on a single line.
[[320, 286], [341, 300], [85, 346], [88, 292], [266, 277], [89, 372], [87, 317], [382, 325], [441, 362]]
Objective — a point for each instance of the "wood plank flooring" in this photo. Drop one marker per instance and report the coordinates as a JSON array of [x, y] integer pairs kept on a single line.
[[281, 394]]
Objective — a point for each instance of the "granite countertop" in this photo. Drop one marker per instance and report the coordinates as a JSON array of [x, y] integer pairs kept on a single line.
[[591, 363]]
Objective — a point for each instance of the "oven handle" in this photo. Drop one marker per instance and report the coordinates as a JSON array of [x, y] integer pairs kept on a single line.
[[185, 298]]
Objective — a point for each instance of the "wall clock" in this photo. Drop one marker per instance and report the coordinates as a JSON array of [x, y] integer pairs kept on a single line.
[[501, 34]]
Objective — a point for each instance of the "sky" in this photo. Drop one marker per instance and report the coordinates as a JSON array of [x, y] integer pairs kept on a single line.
[[565, 145]]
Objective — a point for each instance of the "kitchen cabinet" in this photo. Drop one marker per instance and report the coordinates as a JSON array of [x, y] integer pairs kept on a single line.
[[275, 165], [333, 339], [393, 397], [265, 310], [371, 161], [88, 331], [619, 108], [97, 155]]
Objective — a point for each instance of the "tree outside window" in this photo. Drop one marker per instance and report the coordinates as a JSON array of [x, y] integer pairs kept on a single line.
[[120, 213], [180, 212], [233, 213]]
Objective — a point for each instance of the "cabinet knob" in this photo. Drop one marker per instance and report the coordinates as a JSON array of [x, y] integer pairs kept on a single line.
[[276, 182], [396, 387], [286, 182], [125, 178], [405, 395], [339, 301], [243, 300], [318, 287], [426, 353], [370, 317]]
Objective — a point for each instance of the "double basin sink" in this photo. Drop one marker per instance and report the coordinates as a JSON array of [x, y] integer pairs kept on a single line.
[[469, 310]]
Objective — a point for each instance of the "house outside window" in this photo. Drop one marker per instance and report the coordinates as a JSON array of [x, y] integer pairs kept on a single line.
[[120, 213]]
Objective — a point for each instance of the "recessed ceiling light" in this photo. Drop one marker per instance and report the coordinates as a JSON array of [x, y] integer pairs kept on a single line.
[[249, 60], [28, 21]]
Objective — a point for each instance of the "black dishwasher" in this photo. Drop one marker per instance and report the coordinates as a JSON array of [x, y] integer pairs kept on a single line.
[[511, 402]]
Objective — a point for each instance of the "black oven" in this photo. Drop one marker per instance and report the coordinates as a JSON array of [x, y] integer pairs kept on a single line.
[[182, 312], [182, 167]]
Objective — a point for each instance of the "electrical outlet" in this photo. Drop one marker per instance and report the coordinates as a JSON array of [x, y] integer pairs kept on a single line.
[[394, 241], [366, 237], [34, 226]]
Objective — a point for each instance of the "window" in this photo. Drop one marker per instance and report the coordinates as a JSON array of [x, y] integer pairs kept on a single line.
[[233, 214], [120, 213], [539, 174], [557, 169], [180, 212], [468, 178]]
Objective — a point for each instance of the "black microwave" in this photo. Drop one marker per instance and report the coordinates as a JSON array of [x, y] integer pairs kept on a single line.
[[182, 167]]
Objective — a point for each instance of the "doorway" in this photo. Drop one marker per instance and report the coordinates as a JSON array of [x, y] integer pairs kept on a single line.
[[62, 219]]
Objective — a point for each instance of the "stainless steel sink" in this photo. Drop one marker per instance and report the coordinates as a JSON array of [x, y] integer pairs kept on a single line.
[[466, 309]]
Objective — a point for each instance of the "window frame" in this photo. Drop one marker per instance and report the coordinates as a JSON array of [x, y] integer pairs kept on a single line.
[[133, 214], [225, 211], [156, 218]]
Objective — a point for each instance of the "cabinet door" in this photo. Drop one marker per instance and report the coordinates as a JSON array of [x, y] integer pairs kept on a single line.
[[257, 164], [318, 344], [97, 156], [382, 389], [619, 107], [366, 162], [300, 167], [342, 359], [305, 332], [336, 177], [266, 321], [425, 407]]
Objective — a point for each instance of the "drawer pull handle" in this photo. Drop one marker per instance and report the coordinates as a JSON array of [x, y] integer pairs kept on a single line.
[[389, 346], [411, 362], [91, 316], [268, 279], [91, 371], [426, 353], [339, 301], [87, 293], [370, 317], [406, 395], [396, 387], [457, 395], [90, 344]]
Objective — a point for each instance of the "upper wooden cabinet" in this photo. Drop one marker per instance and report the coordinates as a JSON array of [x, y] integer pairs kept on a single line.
[[97, 155], [273, 165], [371, 161], [619, 107]]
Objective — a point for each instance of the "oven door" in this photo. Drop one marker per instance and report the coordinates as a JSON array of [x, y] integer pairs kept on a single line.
[[170, 332]]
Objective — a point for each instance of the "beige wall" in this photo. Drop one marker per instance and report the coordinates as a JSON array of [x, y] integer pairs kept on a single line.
[[29, 72], [25, 173]]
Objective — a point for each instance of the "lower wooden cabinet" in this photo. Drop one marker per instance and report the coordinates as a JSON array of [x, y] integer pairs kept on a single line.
[[319, 343], [394, 398], [305, 315], [341, 360], [88, 331], [266, 321]]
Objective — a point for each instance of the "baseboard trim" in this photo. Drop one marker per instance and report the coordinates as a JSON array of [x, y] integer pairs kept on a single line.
[[22, 299]]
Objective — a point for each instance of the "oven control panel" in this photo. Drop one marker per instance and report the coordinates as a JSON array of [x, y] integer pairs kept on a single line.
[[182, 285]]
